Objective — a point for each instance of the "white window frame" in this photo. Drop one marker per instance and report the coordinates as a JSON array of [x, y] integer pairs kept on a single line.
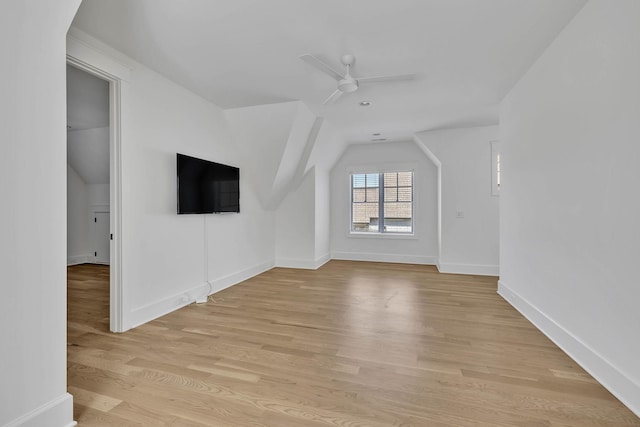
[[384, 234], [496, 174]]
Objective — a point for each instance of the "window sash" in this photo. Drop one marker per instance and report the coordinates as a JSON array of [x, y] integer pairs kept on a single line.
[[382, 202]]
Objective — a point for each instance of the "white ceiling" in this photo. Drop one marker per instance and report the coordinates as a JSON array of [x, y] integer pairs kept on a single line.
[[467, 53]]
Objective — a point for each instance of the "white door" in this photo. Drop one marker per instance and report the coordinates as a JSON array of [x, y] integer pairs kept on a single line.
[[101, 238]]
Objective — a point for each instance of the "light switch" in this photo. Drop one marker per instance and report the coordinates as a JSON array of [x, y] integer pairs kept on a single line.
[[459, 214]]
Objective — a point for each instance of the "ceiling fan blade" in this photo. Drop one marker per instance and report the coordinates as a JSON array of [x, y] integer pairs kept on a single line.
[[397, 78], [333, 97], [322, 66]]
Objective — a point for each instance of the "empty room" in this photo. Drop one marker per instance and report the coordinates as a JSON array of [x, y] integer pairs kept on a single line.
[[320, 213]]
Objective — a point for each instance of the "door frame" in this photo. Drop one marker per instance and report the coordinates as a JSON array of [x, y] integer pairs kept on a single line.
[[116, 320]]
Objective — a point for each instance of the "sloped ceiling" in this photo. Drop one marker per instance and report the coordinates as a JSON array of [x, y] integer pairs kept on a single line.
[[467, 53], [88, 126], [87, 100]]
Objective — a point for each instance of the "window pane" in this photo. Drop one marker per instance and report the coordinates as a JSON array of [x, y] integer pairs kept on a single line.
[[372, 194], [390, 194], [365, 217], [404, 194], [358, 195], [398, 217], [405, 179], [358, 180], [391, 179], [372, 180]]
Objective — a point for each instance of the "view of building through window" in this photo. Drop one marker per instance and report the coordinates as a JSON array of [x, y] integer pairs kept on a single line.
[[382, 208], [495, 168]]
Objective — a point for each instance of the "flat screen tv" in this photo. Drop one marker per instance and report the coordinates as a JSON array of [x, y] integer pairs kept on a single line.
[[207, 187]]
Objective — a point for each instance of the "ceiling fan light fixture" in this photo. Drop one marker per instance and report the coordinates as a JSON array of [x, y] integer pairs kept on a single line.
[[348, 85]]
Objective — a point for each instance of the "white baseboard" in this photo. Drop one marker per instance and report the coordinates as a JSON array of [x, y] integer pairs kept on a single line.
[[377, 257], [475, 269], [197, 293], [56, 413], [77, 259], [84, 259], [232, 279], [303, 263], [159, 308], [614, 380]]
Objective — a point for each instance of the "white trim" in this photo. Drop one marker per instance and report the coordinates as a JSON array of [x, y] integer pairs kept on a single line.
[[55, 413], [378, 257], [376, 235], [166, 305], [613, 379], [100, 207], [303, 263], [232, 279], [101, 57], [322, 260], [475, 269], [382, 167], [78, 259]]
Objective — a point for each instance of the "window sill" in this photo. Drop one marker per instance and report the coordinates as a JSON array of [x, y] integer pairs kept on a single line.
[[394, 236]]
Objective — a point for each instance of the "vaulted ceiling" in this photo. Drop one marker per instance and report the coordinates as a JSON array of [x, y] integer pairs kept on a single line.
[[87, 126], [466, 54]]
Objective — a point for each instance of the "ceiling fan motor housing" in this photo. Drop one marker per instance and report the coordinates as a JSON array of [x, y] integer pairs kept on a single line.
[[348, 84]]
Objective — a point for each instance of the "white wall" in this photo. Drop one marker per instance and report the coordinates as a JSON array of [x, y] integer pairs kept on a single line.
[[77, 217], [33, 217], [328, 148], [569, 204], [272, 139], [469, 244], [322, 204], [303, 218], [296, 226], [98, 195], [167, 259], [421, 248]]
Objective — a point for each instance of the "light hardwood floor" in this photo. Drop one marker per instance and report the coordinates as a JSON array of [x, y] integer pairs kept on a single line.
[[352, 344]]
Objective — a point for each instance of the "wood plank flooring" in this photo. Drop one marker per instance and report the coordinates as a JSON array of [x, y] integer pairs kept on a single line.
[[352, 344]]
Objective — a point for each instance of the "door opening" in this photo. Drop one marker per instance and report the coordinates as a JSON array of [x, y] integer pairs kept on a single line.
[[103, 198]]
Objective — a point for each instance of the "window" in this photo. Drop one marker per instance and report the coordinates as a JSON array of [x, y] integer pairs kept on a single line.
[[495, 168], [382, 202]]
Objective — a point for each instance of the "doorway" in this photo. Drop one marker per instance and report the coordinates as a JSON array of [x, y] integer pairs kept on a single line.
[[93, 142]]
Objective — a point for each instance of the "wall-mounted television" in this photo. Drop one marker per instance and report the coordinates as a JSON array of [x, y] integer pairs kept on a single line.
[[207, 187]]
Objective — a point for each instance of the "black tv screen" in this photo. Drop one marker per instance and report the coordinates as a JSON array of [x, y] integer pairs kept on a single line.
[[207, 187]]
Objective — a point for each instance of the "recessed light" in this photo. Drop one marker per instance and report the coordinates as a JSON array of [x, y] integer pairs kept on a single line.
[[365, 103], [376, 134], [378, 139]]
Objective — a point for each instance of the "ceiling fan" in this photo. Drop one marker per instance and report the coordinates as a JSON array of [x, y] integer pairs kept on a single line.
[[347, 83]]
